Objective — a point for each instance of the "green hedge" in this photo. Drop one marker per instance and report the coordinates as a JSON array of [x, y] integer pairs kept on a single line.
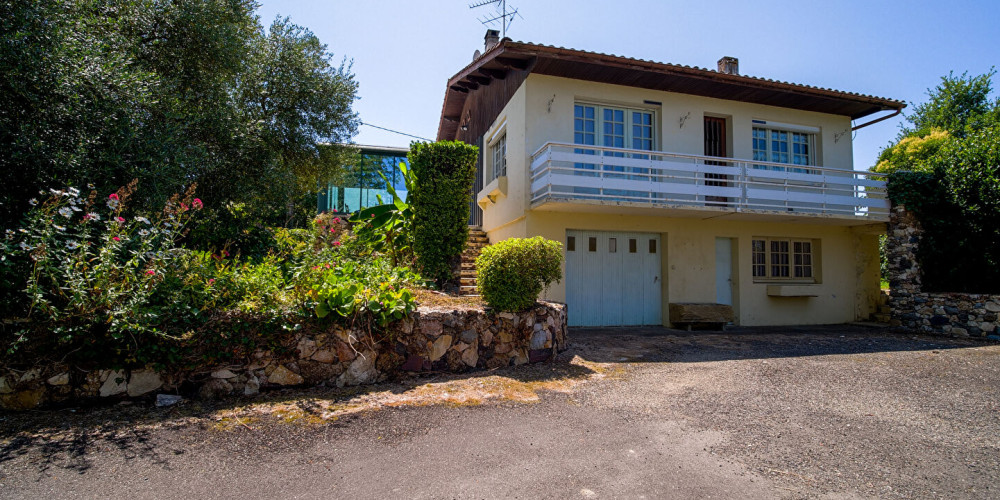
[[440, 200], [513, 272], [960, 246]]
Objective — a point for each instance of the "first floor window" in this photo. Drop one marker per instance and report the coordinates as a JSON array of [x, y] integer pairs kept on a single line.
[[612, 127], [499, 150], [782, 259], [775, 145]]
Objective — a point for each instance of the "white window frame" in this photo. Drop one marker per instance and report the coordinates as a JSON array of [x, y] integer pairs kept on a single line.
[[797, 260], [628, 136], [767, 153], [498, 155]]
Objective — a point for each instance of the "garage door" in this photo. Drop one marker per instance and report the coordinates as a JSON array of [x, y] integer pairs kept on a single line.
[[613, 278]]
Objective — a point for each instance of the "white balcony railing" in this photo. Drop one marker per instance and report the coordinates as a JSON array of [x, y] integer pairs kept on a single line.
[[569, 172]]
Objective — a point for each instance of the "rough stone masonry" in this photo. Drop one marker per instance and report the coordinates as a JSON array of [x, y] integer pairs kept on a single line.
[[445, 340], [951, 314]]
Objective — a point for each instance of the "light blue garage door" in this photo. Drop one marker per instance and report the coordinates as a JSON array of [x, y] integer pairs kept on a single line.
[[613, 278]]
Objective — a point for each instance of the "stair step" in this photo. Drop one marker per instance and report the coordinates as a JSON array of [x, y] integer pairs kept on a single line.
[[881, 318], [884, 310]]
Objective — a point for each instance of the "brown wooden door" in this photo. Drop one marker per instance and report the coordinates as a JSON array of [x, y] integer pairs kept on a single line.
[[715, 145], [715, 136]]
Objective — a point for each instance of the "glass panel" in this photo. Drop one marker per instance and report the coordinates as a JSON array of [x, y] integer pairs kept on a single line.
[[592, 244], [759, 258], [612, 245], [779, 146], [779, 259], [759, 144], [803, 259], [652, 246], [570, 243], [632, 245]]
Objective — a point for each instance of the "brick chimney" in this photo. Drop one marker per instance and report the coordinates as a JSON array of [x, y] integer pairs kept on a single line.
[[492, 38], [729, 65]]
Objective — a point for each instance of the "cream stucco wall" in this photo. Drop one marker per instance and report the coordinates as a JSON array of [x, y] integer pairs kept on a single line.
[[847, 264], [542, 110]]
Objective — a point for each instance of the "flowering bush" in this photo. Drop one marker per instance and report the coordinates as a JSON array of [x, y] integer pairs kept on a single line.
[[84, 269], [88, 280]]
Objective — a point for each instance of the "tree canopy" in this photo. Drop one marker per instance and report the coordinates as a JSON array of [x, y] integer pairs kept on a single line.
[[946, 169], [170, 93]]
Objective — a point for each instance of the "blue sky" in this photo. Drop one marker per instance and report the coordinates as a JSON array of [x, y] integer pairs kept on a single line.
[[404, 51]]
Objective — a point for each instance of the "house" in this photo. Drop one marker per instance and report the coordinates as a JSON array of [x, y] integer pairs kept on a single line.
[[672, 184], [360, 186]]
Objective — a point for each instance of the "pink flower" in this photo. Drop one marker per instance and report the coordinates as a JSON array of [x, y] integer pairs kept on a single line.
[[87, 217], [333, 229], [150, 272], [336, 220], [113, 196], [373, 216], [197, 204], [210, 281], [336, 243], [116, 238], [184, 207], [315, 268], [120, 219]]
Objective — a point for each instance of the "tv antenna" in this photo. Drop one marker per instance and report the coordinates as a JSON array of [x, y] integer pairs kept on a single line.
[[501, 14]]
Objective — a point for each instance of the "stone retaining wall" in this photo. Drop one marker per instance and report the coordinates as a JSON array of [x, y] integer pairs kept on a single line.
[[429, 340], [952, 314]]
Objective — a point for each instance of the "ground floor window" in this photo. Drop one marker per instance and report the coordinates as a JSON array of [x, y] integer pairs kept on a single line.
[[783, 259]]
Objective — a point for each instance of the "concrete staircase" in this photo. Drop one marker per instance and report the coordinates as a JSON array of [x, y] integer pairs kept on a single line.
[[882, 311], [467, 267]]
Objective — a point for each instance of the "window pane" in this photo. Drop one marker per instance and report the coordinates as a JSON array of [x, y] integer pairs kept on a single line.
[[631, 245], [759, 258], [592, 244], [652, 246], [570, 243], [779, 259], [612, 245]]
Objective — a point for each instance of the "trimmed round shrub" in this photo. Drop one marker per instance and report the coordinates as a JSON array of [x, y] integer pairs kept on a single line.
[[513, 272]]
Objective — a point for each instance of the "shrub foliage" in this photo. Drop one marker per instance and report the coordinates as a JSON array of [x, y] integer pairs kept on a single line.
[[946, 169], [513, 272], [88, 280], [440, 200]]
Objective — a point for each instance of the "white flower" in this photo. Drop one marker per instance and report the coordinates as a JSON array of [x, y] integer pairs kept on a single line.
[[25, 246], [143, 232], [58, 227], [72, 245], [74, 191], [142, 219], [33, 201], [90, 186], [65, 212], [112, 203], [93, 216], [56, 192]]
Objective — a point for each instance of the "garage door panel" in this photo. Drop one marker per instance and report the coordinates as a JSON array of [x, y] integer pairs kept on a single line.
[[608, 284]]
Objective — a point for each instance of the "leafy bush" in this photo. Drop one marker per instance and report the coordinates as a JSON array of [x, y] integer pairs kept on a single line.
[[372, 290], [79, 273], [946, 170], [440, 199], [88, 281], [513, 272], [389, 227]]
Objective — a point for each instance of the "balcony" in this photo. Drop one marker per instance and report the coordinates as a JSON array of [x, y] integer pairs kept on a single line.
[[702, 186]]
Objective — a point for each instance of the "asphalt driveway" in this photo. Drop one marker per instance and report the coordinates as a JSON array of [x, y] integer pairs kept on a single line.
[[828, 412]]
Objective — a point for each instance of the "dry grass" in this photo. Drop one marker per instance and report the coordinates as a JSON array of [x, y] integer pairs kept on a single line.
[[465, 391], [431, 298]]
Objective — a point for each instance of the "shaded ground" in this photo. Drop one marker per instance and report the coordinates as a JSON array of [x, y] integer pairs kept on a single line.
[[833, 412]]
